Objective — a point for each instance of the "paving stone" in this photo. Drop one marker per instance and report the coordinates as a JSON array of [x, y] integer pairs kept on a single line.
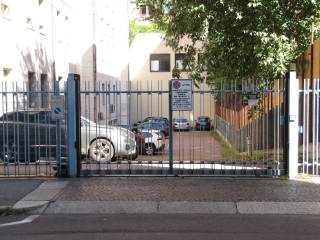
[[190, 189]]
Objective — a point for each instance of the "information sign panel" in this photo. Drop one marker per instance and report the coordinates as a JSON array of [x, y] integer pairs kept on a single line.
[[181, 91]]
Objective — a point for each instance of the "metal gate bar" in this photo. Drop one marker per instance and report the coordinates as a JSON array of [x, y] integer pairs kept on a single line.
[[27, 132]]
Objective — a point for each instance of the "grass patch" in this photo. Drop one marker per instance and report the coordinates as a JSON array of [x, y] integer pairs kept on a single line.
[[228, 152], [7, 211]]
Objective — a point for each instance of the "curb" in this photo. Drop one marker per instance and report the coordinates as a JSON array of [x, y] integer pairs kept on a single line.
[[162, 207], [31, 206], [39, 199]]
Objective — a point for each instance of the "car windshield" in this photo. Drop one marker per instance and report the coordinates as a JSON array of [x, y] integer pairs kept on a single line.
[[86, 122], [152, 125], [182, 120], [157, 120]]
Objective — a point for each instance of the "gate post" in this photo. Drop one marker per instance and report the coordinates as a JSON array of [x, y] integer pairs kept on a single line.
[[170, 130], [58, 136], [73, 124], [293, 143]]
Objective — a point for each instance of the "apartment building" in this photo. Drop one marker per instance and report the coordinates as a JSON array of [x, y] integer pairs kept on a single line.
[[44, 40]]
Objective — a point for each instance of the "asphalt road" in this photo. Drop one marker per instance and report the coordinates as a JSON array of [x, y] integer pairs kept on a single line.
[[190, 146], [246, 227]]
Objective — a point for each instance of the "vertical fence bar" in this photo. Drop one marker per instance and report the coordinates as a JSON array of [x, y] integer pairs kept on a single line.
[[170, 130], [293, 138], [58, 133], [313, 126], [317, 128]]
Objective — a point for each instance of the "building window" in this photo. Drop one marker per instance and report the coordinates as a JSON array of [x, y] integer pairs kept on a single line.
[[5, 11], [29, 23], [6, 72], [103, 94], [44, 91], [143, 10], [42, 30], [114, 94], [100, 116], [32, 89], [159, 62], [180, 62], [112, 108], [201, 60]]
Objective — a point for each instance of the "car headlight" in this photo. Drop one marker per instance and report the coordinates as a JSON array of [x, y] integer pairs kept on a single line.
[[124, 132]]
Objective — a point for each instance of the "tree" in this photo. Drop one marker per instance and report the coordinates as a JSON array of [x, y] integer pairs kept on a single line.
[[135, 28], [242, 39]]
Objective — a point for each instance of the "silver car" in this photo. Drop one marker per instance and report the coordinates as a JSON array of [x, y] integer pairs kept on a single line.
[[31, 135], [105, 143], [181, 124]]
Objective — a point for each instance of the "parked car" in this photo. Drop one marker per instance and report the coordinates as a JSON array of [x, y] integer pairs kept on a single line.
[[154, 142], [181, 124], [140, 140], [203, 123], [31, 135], [157, 119], [105, 143], [151, 125]]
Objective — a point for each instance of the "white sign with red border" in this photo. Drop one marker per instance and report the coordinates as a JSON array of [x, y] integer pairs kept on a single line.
[[181, 92]]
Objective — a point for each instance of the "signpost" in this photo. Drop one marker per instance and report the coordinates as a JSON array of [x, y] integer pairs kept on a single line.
[[180, 99]]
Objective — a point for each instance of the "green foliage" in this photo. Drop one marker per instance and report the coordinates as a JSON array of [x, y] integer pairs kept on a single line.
[[242, 39], [135, 28]]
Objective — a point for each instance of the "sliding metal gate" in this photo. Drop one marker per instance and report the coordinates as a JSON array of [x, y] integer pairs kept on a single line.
[[245, 134], [309, 107]]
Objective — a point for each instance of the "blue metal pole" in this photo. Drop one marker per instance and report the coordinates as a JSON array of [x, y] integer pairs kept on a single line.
[[170, 130], [71, 125]]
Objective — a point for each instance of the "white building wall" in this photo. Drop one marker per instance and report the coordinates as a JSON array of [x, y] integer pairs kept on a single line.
[[59, 38]]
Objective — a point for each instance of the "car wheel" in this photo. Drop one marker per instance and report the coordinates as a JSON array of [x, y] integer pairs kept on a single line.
[[149, 149], [101, 150], [8, 155]]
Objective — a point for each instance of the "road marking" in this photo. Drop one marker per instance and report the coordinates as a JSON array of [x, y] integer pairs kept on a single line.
[[26, 220]]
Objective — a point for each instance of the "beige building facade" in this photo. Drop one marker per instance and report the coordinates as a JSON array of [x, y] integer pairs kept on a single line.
[[151, 65]]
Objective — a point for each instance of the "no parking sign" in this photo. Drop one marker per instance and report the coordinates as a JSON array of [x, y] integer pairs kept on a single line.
[[57, 107], [181, 95]]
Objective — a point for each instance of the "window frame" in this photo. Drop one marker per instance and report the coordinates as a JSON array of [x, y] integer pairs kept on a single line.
[[185, 68], [159, 55]]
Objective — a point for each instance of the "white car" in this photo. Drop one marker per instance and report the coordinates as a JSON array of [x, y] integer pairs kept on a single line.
[[106, 143], [181, 124], [154, 141]]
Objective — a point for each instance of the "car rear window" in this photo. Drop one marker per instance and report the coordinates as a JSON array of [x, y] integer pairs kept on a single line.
[[182, 120], [203, 119], [146, 134]]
